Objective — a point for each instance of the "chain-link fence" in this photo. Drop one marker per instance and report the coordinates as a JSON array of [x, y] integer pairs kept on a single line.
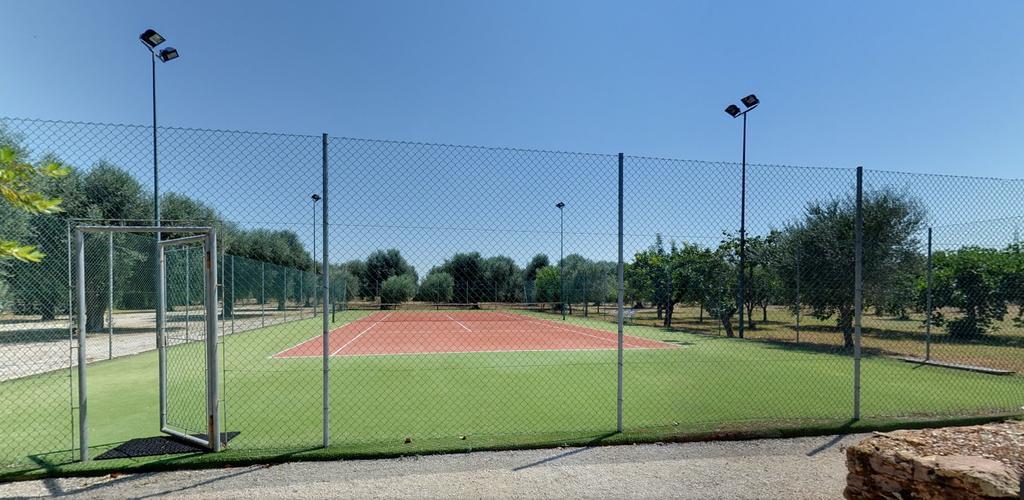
[[476, 297]]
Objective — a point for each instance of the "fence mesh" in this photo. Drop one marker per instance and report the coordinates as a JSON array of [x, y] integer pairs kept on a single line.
[[473, 295]]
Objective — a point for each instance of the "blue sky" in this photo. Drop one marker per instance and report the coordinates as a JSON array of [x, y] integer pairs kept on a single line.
[[924, 86], [910, 86]]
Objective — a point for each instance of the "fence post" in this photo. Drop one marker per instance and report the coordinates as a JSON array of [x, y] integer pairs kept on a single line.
[[798, 304], [233, 303], [928, 318], [326, 294], [188, 290], [83, 399], [263, 294], [110, 295], [858, 289], [621, 293]]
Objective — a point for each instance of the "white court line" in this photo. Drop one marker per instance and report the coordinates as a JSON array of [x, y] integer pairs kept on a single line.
[[459, 322], [311, 339], [361, 333], [615, 340]]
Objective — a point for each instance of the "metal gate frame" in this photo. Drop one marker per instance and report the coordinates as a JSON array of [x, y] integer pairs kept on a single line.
[[206, 235]]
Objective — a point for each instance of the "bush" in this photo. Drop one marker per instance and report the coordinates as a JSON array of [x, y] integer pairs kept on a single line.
[[397, 289], [437, 287]]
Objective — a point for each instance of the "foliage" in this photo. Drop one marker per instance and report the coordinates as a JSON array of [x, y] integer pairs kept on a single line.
[[437, 287], [19, 190], [547, 286], [380, 266], [824, 239], [397, 289], [972, 280]]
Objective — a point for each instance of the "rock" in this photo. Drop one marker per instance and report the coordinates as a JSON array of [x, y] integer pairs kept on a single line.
[[979, 462]]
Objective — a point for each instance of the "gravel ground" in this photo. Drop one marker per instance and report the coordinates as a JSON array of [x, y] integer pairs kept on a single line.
[[774, 468]]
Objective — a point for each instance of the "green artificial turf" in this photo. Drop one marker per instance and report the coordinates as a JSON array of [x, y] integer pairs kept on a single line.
[[705, 386]]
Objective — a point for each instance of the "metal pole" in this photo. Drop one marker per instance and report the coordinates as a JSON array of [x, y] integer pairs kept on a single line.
[[188, 291], [743, 226], [83, 398], [858, 289], [561, 257], [233, 303], [621, 300], [326, 283], [161, 339], [212, 369], [798, 304], [315, 295], [263, 294], [928, 322], [110, 295]]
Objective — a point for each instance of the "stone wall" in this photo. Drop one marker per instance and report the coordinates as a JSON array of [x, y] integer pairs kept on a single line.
[[985, 461]]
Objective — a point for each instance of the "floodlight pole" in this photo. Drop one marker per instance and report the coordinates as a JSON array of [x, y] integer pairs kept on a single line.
[[743, 226]]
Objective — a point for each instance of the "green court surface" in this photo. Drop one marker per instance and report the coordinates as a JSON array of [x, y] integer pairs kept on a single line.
[[391, 405]]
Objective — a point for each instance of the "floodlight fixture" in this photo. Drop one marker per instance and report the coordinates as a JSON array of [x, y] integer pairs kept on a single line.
[[151, 38], [750, 101], [560, 205], [733, 110], [315, 197], [168, 54]]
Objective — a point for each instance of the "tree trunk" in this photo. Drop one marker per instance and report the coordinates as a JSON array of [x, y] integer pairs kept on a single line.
[[764, 313], [750, 316], [727, 325], [669, 308], [846, 325], [659, 310], [701, 318]]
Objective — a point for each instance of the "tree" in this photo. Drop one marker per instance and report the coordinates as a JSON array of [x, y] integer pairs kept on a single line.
[[971, 280], [530, 273], [693, 274], [719, 285], [397, 289], [650, 278], [547, 286], [380, 266], [824, 239], [437, 287], [467, 271], [503, 280], [18, 189], [1013, 281]]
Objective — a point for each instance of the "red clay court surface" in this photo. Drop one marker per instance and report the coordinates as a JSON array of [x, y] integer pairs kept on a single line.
[[428, 332]]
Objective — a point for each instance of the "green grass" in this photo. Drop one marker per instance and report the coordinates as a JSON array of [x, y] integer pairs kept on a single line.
[[455, 402]]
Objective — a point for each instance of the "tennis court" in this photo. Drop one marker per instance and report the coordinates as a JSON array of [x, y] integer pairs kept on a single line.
[[437, 332]]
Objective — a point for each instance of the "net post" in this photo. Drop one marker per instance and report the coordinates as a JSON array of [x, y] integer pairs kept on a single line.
[[621, 300], [327, 298], [83, 398], [858, 290]]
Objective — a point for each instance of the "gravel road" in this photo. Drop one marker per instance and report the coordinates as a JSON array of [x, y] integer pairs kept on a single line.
[[773, 468]]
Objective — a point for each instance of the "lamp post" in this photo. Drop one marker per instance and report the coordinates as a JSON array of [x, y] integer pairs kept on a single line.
[[315, 199], [750, 102], [151, 39], [561, 258]]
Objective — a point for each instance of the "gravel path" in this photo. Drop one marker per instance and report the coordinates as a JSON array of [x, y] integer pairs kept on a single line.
[[776, 468]]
